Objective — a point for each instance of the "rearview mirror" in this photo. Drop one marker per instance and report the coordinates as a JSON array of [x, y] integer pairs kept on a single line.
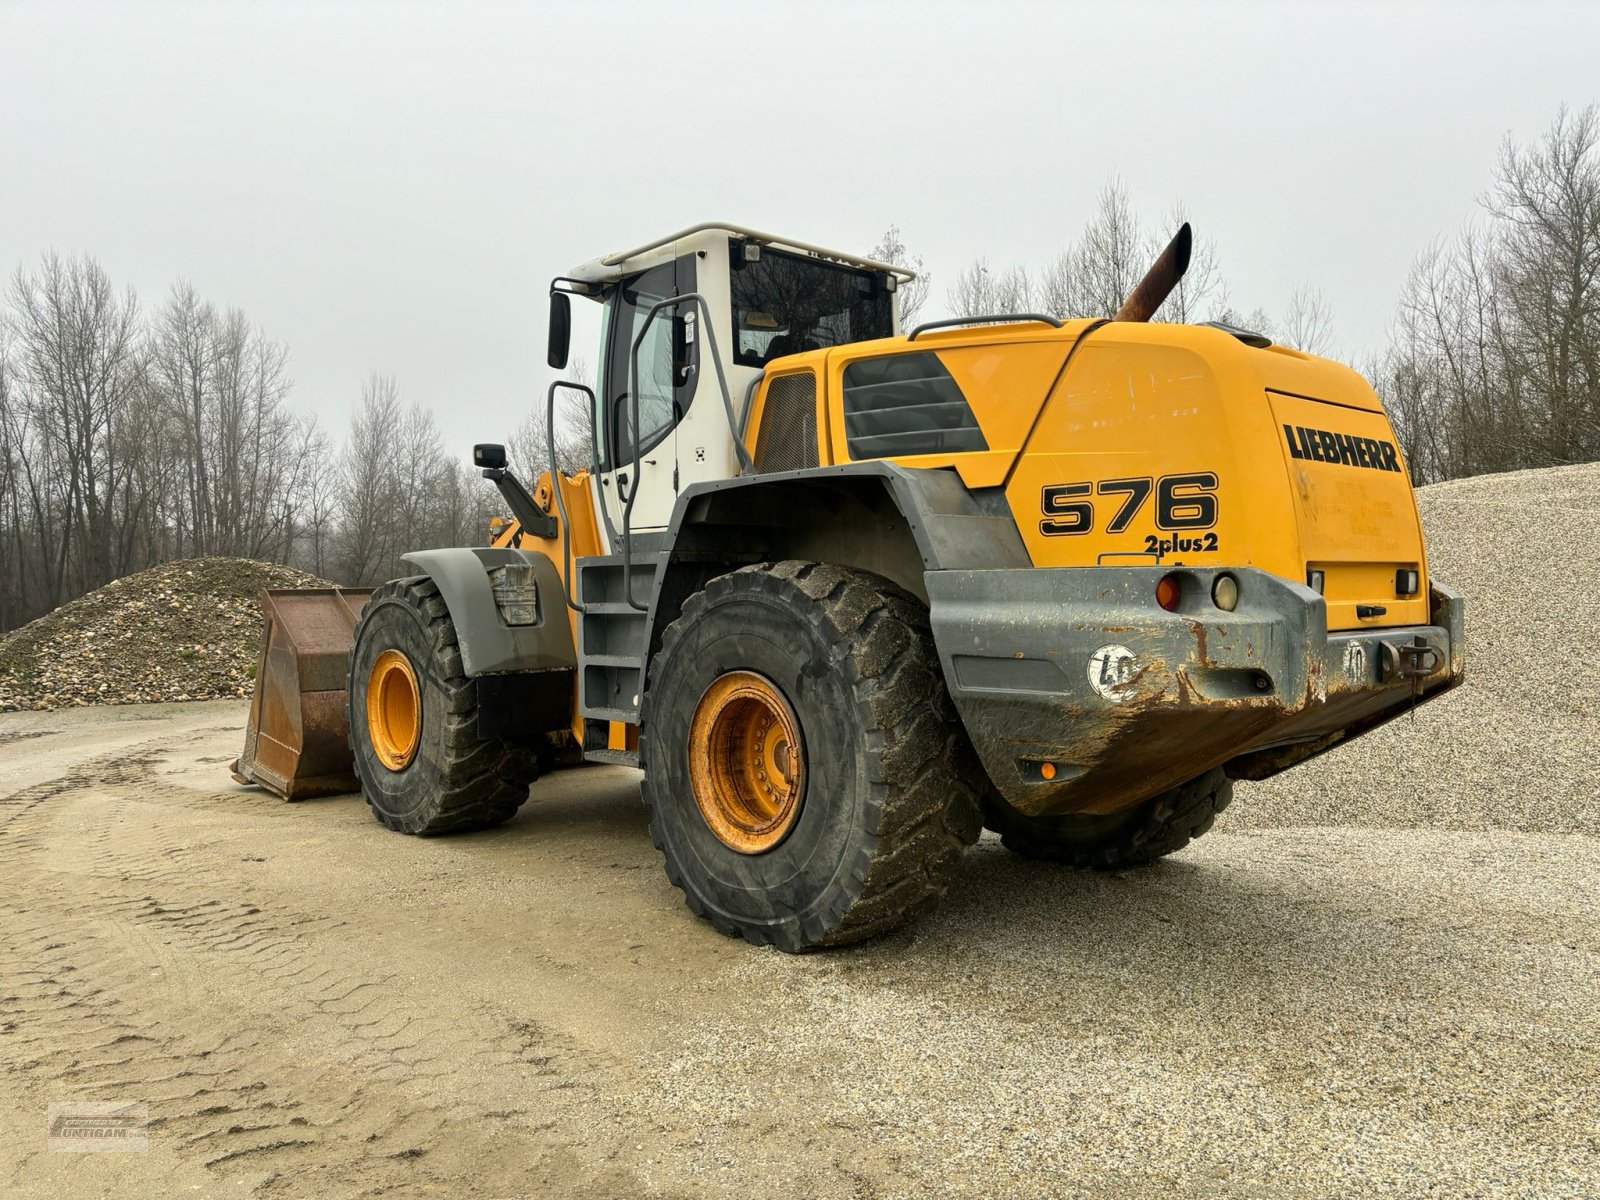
[[560, 329], [489, 456]]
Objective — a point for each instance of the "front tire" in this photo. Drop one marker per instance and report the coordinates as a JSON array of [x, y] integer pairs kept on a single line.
[[424, 766], [1153, 829], [807, 779]]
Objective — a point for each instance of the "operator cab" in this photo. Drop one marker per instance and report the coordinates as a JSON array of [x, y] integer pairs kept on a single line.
[[696, 318]]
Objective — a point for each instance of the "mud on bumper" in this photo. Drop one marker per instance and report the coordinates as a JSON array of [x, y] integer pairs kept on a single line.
[[1081, 694]]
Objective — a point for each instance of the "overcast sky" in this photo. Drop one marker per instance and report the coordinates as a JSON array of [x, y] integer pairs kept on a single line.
[[390, 186]]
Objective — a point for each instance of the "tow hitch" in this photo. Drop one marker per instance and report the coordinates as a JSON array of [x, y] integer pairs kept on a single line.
[[1413, 661]]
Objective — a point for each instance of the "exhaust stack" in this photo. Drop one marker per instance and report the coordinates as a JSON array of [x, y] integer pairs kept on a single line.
[[1159, 280]]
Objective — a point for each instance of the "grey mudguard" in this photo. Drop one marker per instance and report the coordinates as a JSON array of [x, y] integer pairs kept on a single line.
[[1082, 694], [949, 525], [488, 644], [895, 521]]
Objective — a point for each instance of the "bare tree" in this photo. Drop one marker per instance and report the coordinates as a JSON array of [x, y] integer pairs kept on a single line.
[[979, 291], [13, 553], [77, 358], [417, 477], [367, 543], [463, 504], [1201, 292], [528, 444], [224, 385], [181, 364], [1110, 254], [316, 500], [1092, 275], [891, 248], [1546, 205], [255, 442], [1308, 323], [1495, 352], [124, 443]]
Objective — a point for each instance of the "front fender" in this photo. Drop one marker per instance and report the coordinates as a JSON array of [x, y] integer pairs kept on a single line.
[[488, 644]]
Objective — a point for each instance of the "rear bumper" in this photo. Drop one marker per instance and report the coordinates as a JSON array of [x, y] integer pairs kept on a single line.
[[1081, 694]]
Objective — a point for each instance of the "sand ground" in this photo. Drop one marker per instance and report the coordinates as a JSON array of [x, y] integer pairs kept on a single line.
[[315, 1007]]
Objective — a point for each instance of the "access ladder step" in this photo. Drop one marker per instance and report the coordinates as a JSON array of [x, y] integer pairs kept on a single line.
[[632, 661], [613, 635], [617, 758]]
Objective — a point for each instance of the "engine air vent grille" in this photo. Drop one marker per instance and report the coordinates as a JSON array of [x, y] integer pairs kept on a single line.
[[906, 404], [788, 437]]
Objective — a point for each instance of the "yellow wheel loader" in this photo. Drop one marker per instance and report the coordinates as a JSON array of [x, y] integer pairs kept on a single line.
[[847, 595]]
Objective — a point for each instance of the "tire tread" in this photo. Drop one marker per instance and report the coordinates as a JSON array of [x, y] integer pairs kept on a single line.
[[477, 782], [924, 779], [1162, 825]]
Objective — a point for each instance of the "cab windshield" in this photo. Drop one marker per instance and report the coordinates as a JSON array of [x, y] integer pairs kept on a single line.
[[788, 303]]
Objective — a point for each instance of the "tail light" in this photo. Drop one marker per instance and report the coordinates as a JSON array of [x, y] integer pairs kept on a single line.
[[1168, 592]]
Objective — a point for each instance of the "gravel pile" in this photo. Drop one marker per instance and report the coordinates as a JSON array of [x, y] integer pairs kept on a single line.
[[188, 630], [1272, 1015], [1515, 747]]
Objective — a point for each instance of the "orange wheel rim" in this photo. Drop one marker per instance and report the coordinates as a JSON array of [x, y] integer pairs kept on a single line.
[[747, 763], [394, 710]]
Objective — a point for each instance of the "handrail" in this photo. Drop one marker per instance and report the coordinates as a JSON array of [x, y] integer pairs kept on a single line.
[[580, 287], [986, 319], [568, 566], [745, 461], [749, 405]]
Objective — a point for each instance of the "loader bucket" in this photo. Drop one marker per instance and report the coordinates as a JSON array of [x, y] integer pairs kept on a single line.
[[298, 741]]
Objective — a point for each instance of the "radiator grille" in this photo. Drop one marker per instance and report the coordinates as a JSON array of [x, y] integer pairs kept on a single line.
[[788, 437]]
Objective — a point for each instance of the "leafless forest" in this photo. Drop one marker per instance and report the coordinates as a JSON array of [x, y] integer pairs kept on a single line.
[[135, 433]]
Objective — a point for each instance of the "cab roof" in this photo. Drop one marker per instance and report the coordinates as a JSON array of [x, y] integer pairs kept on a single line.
[[611, 267]]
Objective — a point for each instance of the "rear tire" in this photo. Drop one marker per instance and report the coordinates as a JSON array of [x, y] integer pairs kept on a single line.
[[455, 779], [1153, 829], [888, 801]]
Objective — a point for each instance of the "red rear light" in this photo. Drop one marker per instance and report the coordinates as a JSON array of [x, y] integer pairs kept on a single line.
[[1167, 593]]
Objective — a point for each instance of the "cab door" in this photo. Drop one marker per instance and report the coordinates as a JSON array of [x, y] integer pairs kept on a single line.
[[666, 387]]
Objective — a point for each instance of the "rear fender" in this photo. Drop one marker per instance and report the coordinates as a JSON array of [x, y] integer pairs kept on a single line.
[[876, 516], [488, 644]]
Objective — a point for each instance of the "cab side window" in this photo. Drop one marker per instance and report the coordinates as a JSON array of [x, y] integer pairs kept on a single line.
[[663, 399]]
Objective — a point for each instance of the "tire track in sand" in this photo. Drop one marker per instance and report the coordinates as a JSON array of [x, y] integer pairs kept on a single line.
[[135, 970]]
